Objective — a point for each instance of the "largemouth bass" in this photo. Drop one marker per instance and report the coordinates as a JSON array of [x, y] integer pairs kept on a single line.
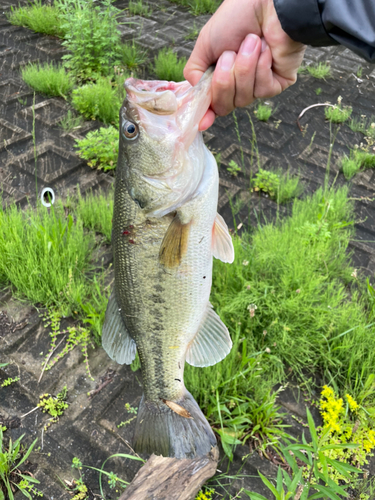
[[165, 231]]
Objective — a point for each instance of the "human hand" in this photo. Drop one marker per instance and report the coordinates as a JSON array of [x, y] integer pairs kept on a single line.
[[254, 56]]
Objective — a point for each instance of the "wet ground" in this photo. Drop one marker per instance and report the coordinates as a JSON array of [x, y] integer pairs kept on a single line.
[[88, 428]]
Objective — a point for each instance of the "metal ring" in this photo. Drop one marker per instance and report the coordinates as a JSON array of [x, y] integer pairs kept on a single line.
[[43, 197]]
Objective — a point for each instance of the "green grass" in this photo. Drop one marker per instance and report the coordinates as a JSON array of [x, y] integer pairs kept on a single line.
[[100, 100], [100, 148], [292, 306], [96, 211], [279, 186], [198, 7], [338, 113], [138, 8], [167, 66], [319, 71], [71, 122], [48, 79], [44, 255], [366, 127], [38, 17], [132, 56], [263, 112], [318, 91], [358, 160]]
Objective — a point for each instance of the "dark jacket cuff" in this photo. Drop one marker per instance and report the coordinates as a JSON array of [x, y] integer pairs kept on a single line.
[[301, 20]]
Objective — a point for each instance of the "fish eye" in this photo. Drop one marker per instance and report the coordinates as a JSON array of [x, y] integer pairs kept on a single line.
[[130, 130]]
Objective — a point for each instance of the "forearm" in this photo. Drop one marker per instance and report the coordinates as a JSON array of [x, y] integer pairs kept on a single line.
[[330, 22]]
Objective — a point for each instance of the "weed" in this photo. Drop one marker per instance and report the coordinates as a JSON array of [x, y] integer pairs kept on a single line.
[[360, 72], [193, 33], [132, 56], [199, 7], [9, 381], [309, 477], [48, 79], [318, 91], [263, 112], [96, 211], [100, 148], [167, 66], [54, 406], [92, 37], [138, 8], [71, 122], [233, 168], [205, 494], [44, 255], [281, 187], [98, 100], [113, 480], [320, 71], [11, 476], [338, 113], [38, 17], [364, 126], [359, 159]]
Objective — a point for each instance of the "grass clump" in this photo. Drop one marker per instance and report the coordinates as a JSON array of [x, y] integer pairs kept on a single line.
[[366, 127], [279, 186], [319, 71], [38, 17], [44, 255], [99, 100], [138, 8], [167, 66], [292, 305], [71, 122], [96, 212], [48, 79], [338, 113], [132, 56], [263, 112], [100, 148], [359, 159], [199, 7]]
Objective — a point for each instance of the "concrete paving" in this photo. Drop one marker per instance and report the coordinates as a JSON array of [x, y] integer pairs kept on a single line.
[[88, 429]]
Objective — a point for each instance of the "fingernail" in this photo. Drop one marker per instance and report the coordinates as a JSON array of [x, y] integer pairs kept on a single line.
[[248, 45], [264, 45], [226, 61]]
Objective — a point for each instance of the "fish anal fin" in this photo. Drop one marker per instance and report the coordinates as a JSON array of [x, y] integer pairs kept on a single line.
[[222, 245], [175, 242], [116, 340], [212, 342]]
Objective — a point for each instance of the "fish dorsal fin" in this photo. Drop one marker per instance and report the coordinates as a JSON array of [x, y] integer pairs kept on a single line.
[[222, 245], [116, 340], [212, 342], [174, 244]]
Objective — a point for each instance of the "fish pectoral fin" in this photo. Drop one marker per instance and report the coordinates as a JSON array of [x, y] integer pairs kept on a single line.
[[212, 342], [116, 340], [174, 244], [222, 245]]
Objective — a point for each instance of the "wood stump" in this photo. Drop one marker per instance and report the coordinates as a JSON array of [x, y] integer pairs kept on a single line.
[[163, 478]]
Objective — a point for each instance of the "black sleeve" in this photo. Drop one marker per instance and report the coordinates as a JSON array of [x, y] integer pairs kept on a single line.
[[330, 22]]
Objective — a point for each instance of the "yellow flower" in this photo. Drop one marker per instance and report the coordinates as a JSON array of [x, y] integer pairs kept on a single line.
[[353, 405]]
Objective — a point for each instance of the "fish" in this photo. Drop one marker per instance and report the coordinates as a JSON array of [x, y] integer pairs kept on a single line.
[[166, 231]]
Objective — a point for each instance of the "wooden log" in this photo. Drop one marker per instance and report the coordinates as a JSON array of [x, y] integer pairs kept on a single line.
[[163, 478]]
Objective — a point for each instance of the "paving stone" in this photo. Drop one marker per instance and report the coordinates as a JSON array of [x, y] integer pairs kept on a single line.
[[89, 428]]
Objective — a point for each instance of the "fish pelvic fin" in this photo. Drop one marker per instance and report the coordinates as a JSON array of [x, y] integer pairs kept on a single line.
[[211, 344], [174, 244], [116, 340], [181, 431], [222, 245]]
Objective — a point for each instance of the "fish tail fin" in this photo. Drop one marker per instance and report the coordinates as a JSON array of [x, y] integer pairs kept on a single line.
[[173, 429]]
